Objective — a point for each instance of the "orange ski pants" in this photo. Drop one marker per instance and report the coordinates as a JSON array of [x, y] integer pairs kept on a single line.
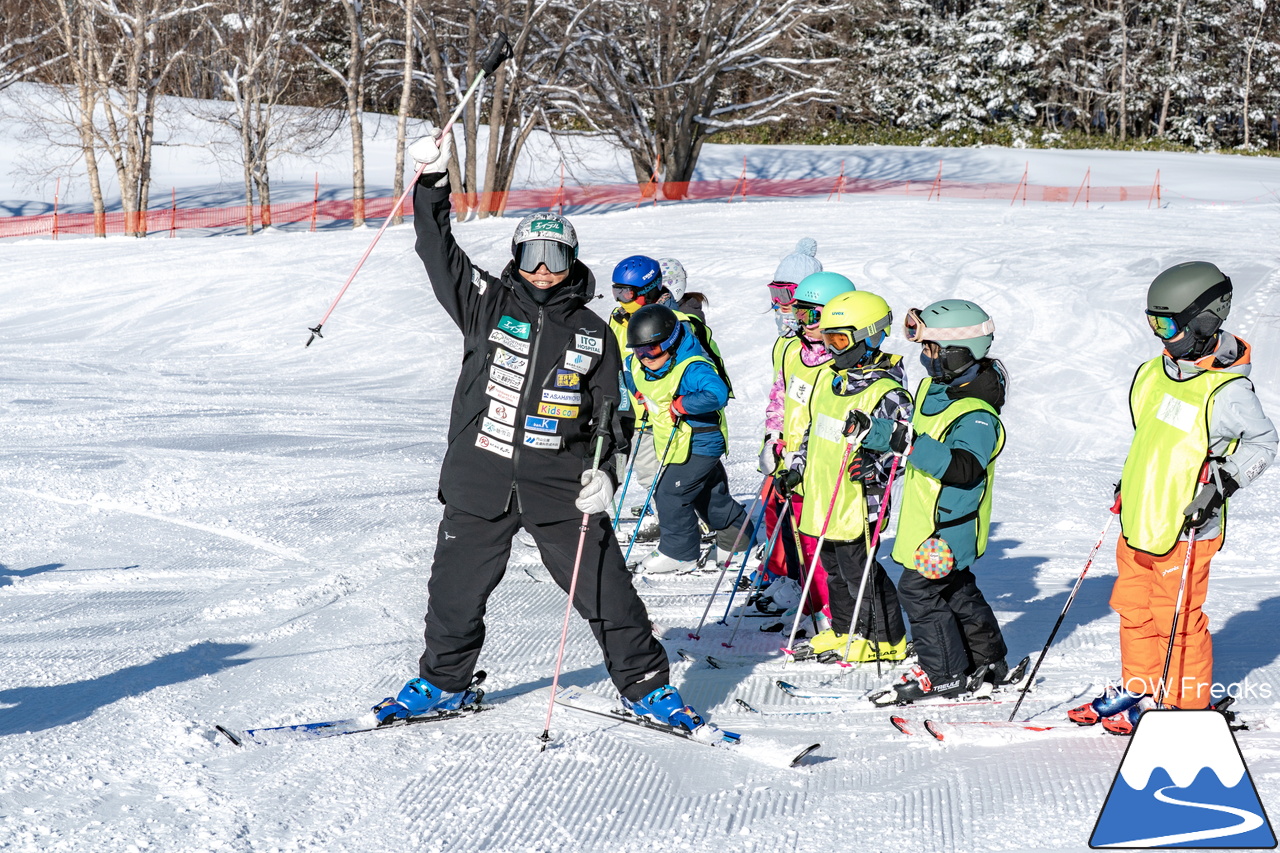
[[1145, 595]]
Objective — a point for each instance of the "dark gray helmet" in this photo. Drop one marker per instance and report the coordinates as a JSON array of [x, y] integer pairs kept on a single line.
[[1192, 297]]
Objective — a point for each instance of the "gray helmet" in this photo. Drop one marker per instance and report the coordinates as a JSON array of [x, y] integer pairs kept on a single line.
[[1194, 297]]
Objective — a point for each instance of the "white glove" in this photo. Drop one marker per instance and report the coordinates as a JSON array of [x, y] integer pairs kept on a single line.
[[433, 159], [597, 492]]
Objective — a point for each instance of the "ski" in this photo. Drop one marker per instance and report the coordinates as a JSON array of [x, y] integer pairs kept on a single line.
[[591, 703], [354, 725]]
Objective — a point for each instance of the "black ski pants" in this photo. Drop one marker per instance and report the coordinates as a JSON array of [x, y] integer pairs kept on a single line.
[[471, 558], [698, 488], [845, 563], [953, 627]]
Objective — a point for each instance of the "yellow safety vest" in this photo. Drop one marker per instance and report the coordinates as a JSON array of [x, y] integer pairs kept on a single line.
[[798, 380], [658, 394], [918, 511], [1171, 420], [823, 471], [780, 347]]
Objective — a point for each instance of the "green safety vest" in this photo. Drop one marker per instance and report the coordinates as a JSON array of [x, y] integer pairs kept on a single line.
[[1170, 445], [918, 511], [658, 394], [823, 471], [799, 380]]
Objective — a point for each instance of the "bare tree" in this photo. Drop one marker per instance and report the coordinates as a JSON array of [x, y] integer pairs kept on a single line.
[[347, 65], [27, 43], [252, 63], [663, 76]]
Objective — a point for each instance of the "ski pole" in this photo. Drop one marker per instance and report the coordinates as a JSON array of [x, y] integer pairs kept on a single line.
[[499, 51], [768, 551], [766, 488], [1031, 679], [817, 552], [1178, 610], [631, 464], [662, 467], [602, 429], [871, 556], [742, 567]]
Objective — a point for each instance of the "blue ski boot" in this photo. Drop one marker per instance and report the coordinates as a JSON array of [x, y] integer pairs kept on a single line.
[[664, 705], [1112, 701], [420, 697]]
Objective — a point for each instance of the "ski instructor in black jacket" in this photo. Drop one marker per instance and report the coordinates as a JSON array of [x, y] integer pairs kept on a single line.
[[536, 365]]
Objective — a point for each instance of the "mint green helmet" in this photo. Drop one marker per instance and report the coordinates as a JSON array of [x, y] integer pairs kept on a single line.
[[952, 323], [819, 288]]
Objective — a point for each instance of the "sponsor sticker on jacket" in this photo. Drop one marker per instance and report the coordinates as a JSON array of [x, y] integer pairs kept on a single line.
[[570, 397], [510, 361], [537, 424], [576, 361], [568, 379], [555, 410], [497, 430], [506, 377], [586, 343], [514, 327], [500, 337], [484, 442], [500, 411], [506, 395], [543, 442]]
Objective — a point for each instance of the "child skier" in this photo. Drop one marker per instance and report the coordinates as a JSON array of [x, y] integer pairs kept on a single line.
[[672, 377], [676, 280], [1200, 434], [786, 419], [514, 463], [946, 502], [859, 378]]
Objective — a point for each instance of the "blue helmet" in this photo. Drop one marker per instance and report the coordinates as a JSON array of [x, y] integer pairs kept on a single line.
[[638, 272]]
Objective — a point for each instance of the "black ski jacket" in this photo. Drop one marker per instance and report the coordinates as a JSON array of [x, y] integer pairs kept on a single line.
[[522, 427]]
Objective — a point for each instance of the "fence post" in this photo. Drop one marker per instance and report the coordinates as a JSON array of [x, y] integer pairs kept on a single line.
[[173, 215], [1083, 184], [56, 191], [315, 201], [1155, 192], [652, 186], [560, 191], [742, 181], [937, 185], [1022, 185], [838, 192]]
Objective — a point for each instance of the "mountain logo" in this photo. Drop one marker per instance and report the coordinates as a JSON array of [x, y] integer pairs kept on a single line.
[[1183, 783]]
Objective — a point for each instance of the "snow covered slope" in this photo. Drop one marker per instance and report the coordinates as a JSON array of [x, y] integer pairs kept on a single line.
[[206, 523]]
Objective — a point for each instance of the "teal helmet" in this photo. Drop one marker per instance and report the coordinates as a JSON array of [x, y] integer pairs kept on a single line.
[[819, 288], [952, 323]]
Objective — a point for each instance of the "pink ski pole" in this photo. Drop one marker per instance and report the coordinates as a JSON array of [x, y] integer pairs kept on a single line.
[[499, 52]]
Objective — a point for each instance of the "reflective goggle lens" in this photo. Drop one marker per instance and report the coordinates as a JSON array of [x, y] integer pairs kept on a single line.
[[648, 350], [622, 293], [534, 253], [912, 325], [782, 293], [1164, 327], [837, 341], [807, 315]]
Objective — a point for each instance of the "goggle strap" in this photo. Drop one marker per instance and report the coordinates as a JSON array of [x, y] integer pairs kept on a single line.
[[959, 333]]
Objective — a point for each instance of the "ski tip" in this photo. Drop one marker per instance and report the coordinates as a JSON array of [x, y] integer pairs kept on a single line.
[[229, 735], [786, 685], [803, 754], [744, 705], [932, 728], [900, 723]]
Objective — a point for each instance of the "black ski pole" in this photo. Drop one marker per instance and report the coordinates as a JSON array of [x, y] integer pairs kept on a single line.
[[499, 51], [1063, 615]]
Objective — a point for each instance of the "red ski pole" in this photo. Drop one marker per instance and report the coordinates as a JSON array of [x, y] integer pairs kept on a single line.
[[499, 52]]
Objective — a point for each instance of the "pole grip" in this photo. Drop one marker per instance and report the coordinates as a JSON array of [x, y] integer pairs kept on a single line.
[[499, 51]]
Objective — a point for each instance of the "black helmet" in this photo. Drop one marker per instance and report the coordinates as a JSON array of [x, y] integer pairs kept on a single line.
[[653, 327], [1193, 297]]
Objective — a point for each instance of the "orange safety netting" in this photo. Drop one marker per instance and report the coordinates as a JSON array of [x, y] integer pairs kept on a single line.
[[172, 219]]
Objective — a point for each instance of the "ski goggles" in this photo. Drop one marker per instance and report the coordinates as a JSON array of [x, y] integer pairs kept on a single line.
[[839, 340], [655, 350], [534, 253], [782, 292], [806, 314], [626, 293], [1168, 326], [915, 330]]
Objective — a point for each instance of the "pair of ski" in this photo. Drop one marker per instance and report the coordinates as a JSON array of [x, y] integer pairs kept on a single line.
[[569, 697]]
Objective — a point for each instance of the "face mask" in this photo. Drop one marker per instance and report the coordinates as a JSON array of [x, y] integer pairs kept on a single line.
[[949, 365]]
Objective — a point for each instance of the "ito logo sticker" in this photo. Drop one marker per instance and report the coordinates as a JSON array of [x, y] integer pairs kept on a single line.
[[514, 327], [1183, 783], [587, 343]]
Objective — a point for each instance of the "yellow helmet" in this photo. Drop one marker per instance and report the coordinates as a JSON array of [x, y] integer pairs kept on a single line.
[[861, 313]]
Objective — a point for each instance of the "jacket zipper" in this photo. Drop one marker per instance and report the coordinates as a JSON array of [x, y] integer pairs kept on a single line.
[[529, 375]]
